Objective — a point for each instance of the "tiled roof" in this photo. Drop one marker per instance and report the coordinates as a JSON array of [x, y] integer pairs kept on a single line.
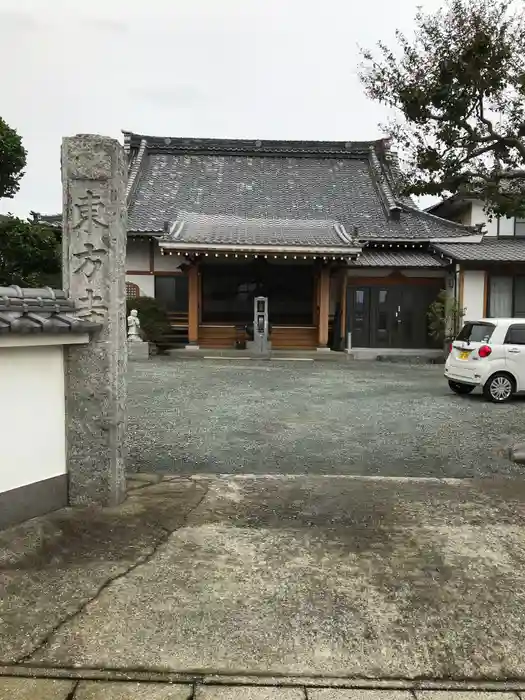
[[350, 183], [380, 258], [54, 220], [201, 229], [489, 250], [44, 310]]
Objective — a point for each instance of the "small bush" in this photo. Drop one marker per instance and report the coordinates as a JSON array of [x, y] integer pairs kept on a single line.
[[154, 323], [444, 317]]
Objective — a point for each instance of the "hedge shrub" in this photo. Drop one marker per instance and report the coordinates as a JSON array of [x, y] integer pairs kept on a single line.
[[154, 322]]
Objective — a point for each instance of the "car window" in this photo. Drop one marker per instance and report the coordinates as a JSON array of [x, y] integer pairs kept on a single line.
[[476, 332], [515, 335]]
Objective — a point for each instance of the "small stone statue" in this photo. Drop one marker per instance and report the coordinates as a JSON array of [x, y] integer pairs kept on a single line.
[[134, 327]]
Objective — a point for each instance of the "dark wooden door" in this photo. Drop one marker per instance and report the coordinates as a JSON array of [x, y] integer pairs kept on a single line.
[[390, 315], [383, 316], [358, 321], [407, 318]]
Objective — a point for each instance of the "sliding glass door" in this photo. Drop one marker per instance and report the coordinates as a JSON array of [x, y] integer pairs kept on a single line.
[[390, 315]]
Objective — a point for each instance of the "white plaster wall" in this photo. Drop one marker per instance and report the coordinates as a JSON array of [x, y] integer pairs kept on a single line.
[[137, 254], [145, 283], [506, 226], [32, 415], [473, 294], [478, 216]]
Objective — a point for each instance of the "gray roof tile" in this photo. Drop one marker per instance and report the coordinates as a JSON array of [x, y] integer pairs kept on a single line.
[[278, 181], [489, 250], [380, 258], [203, 229], [44, 310]]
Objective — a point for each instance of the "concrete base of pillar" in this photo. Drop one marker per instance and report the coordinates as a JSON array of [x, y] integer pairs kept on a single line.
[[192, 346], [252, 345], [324, 350], [138, 351]]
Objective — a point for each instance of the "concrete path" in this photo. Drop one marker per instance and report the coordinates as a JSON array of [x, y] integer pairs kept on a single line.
[[275, 576]]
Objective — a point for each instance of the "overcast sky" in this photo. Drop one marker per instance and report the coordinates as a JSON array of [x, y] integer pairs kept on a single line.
[[281, 69]]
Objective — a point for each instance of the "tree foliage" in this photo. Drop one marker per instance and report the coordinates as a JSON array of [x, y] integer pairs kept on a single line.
[[457, 89], [12, 160], [29, 254]]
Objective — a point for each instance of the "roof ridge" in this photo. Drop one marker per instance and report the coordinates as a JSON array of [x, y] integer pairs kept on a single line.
[[385, 192], [253, 146], [135, 170]]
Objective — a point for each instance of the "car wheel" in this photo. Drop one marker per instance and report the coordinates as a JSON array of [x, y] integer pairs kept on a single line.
[[459, 388], [499, 388]]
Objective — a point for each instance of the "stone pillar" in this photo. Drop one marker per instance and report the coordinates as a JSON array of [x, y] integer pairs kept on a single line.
[[94, 176]]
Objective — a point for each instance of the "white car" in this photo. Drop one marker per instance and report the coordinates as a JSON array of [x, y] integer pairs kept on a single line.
[[489, 354]]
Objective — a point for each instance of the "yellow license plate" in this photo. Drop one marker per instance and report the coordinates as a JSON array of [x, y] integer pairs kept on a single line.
[[464, 355]]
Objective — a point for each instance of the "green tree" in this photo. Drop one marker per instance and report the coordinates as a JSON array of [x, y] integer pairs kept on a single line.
[[29, 253], [457, 90], [12, 160]]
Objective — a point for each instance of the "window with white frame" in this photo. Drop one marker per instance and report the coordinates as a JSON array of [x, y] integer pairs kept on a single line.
[[506, 296]]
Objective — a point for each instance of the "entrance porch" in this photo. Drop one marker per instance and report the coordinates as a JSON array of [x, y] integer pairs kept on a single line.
[[221, 295]]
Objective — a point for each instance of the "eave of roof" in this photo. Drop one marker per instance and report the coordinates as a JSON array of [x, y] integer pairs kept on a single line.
[[489, 250], [473, 238], [398, 258], [200, 232], [276, 251]]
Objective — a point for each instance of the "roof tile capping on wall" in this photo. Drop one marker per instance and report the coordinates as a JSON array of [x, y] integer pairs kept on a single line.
[[35, 324], [45, 310]]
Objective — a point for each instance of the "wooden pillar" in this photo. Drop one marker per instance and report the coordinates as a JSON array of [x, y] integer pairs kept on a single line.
[[193, 306], [315, 311], [485, 294], [324, 307], [343, 305], [152, 244]]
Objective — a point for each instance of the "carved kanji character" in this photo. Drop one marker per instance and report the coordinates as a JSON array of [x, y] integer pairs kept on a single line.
[[90, 260], [88, 211], [91, 305]]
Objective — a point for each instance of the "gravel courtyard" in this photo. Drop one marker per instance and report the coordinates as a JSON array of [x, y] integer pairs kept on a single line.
[[241, 417]]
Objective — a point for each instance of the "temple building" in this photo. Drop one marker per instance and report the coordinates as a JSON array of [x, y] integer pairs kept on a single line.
[[316, 227]]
